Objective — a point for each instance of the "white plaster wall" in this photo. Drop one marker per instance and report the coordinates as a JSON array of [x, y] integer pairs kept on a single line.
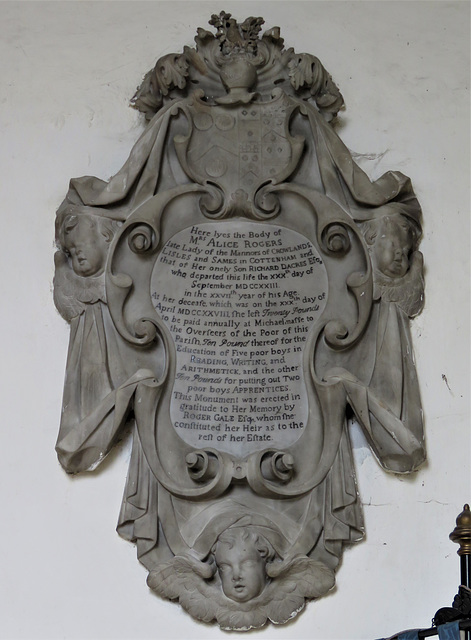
[[67, 72]]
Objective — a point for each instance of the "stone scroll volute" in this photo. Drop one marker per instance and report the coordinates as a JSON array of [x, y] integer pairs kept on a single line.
[[234, 291]]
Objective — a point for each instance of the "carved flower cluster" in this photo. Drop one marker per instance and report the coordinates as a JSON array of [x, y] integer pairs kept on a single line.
[[235, 38]]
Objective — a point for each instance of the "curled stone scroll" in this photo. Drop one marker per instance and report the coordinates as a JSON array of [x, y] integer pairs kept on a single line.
[[234, 292]]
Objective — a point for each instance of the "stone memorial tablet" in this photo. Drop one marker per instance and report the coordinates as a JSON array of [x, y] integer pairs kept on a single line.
[[234, 292], [238, 300]]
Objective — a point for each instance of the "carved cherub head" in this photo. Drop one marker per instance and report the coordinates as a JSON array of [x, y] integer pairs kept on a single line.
[[85, 238], [241, 556], [391, 238], [277, 597]]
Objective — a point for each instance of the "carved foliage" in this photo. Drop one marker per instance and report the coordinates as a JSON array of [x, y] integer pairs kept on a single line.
[[175, 75]]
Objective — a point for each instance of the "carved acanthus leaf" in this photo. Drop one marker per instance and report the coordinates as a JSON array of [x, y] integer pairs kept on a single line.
[[307, 72], [298, 74], [170, 72]]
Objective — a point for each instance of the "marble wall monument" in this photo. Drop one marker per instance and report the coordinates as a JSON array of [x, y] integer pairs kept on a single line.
[[234, 292]]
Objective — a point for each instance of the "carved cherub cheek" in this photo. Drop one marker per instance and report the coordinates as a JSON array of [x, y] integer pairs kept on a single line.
[[241, 569], [224, 568], [243, 580], [392, 256], [87, 258], [392, 247]]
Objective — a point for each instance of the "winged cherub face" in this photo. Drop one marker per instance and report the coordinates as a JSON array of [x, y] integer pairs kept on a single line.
[[86, 245], [393, 246], [241, 568]]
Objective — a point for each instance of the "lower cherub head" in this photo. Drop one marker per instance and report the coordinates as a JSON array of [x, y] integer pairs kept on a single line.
[[241, 556]]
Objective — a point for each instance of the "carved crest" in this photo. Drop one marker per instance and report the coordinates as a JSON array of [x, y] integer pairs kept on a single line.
[[232, 291]]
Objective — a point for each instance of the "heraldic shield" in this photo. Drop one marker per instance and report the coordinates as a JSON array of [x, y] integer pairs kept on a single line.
[[234, 291]]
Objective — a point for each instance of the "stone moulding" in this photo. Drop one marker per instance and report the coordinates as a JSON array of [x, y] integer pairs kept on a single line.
[[233, 291]]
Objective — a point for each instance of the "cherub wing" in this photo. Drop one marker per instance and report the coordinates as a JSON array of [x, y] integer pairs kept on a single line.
[[71, 292], [296, 580], [183, 579], [409, 296]]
